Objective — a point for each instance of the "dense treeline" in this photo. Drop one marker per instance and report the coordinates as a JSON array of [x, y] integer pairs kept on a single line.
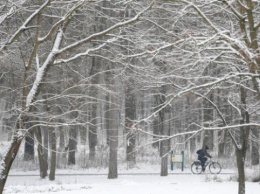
[[121, 75]]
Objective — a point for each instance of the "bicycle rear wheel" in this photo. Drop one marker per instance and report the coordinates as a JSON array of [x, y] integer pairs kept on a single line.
[[196, 168], [215, 168]]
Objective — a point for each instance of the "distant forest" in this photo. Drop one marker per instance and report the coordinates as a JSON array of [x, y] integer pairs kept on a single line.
[[83, 82]]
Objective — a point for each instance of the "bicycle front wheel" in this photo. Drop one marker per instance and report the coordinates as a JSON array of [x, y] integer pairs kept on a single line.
[[196, 168], [215, 168]]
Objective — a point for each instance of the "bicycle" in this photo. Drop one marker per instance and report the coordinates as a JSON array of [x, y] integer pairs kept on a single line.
[[214, 167]]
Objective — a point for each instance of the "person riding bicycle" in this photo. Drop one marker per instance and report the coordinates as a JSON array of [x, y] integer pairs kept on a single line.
[[202, 156]]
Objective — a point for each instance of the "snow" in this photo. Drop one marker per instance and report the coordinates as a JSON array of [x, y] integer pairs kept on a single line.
[[42, 69], [143, 179], [85, 181]]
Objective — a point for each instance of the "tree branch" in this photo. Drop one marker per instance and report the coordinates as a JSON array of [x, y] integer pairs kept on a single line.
[[54, 27], [42, 70], [23, 27], [104, 32]]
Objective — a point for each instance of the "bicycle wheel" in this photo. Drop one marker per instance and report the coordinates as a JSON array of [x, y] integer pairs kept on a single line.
[[196, 168], [215, 168]]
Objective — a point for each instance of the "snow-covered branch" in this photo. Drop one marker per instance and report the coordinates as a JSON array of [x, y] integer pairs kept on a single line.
[[202, 128], [235, 12], [194, 88], [104, 32], [6, 15], [81, 54], [24, 25], [42, 70], [57, 24]]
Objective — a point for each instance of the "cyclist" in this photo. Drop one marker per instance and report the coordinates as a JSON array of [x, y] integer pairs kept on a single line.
[[202, 156]]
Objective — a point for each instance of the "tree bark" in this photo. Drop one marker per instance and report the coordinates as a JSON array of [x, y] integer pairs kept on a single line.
[[130, 116], [165, 144], [92, 134], [29, 145], [255, 148], [11, 154], [53, 155], [93, 115], [29, 141], [243, 143], [61, 148], [241, 171], [42, 163], [72, 146], [156, 132], [45, 133], [113, 137], [113, 145], [163, 128], [8, 161]]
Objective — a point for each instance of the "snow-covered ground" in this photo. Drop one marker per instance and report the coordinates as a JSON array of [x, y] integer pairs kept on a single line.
[[144, 179], [85, 182]]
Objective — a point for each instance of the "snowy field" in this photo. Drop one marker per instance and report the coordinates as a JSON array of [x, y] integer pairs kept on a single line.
[[177, 182], [144, 179]]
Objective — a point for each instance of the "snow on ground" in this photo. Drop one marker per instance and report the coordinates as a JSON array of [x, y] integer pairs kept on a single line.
[[85, 182]]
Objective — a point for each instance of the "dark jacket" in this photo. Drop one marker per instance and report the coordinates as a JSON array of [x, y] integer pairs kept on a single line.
[[202, 153]]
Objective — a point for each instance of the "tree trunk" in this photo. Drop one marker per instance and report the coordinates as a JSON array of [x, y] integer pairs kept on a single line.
[[164, 148], [93, 116], [45, 133], [130, 116], [7, 162], [243, 143], [163, 127], [207, 118], [72, 146], [255, 147], [61, 160], [113, 143], [164, 157], [29, 146], [156, 132], [107, 118], [11, 154], [156, 127], [240, 158], [53, 155], [42, 163], [241, 171], [164, 165], [130, 148], [113, 138], [92, 134]]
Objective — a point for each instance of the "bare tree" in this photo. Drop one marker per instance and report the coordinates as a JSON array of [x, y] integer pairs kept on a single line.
[[40, 150], [48, 46], [113, 135], [130, 117], [72, 146], [53, 155], [209, 61]]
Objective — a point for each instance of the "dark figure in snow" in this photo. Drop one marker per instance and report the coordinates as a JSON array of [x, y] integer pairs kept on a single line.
[[202, 156]]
